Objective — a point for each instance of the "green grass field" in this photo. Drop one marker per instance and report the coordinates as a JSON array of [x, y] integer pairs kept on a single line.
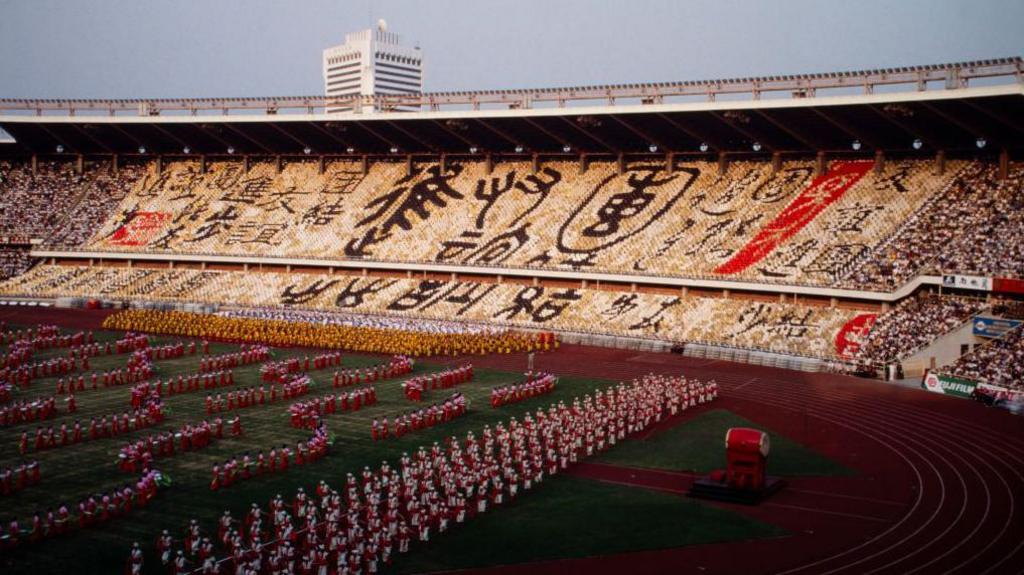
[[685, 447], [565, 517]]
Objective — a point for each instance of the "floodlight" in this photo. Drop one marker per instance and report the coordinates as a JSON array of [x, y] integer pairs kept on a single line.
[[855, 144], [703, 146], [142, 149], [60, 148], [231, 149], [917, 144], [566, 148], [756, 146], [653, 148], [981, 142], [186, 150], [519, 149], [307, 150]]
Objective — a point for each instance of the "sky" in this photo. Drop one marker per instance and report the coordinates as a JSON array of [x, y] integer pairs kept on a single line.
[[202, 48]]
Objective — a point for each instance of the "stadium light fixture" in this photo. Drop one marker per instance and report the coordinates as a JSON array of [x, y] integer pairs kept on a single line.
[[394, 150], [981, 142], [231, 149], [653, 148], [756, 146], [703, 146], [566, 148], [917, 144], [855, 145], [142, 149], [186, 150], [350, 150], [519, 149], [307, 150], [472, 149], [60, 148]]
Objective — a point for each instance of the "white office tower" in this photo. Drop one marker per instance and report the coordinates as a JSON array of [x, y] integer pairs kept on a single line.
[[371, 62]]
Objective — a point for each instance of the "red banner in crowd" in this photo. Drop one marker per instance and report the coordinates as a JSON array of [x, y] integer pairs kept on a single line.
[[822, 192], [1007, 285], [140, 229], [853, 334]]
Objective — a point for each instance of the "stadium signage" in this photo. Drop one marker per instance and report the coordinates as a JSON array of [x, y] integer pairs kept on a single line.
[[1008, 285], [967, 282], [949, 385], [993, 327]]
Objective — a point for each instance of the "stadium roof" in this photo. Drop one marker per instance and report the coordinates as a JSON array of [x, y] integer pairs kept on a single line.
[[886, 110]]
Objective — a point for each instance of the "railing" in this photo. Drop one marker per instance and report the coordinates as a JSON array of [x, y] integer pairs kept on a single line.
[[952, 76]]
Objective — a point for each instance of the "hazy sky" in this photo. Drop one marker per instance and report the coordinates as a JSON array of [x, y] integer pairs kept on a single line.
[[172, 48]]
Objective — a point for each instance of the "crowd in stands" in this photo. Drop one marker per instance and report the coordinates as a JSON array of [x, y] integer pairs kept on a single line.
[[882, 228], [14, 261], [384, 512], [999, 362], [913, 323], [974, 227], [558, 218], [795, 328]]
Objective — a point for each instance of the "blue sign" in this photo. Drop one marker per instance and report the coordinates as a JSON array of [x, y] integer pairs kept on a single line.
[[993, 327]]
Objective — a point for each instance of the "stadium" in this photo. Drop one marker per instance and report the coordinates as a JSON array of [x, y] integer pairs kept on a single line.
[[519, 331]]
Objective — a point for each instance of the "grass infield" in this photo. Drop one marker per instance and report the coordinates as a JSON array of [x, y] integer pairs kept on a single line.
[[565, 517], [698, 445]]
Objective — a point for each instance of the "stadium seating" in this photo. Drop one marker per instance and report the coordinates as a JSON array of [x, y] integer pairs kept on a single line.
[[785, 328], [1000, 363], [748, 223], [913, 323], [974, 227], [14, 261]]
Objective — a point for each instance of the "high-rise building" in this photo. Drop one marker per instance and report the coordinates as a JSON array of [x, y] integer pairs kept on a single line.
[[371, 62]]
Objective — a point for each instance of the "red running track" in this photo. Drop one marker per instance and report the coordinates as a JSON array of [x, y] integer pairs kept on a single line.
[[939, 483]]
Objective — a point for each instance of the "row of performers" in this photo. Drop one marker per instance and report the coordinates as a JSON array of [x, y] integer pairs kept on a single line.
[[138, 455], [184, 384], [13, 480], [277, 461], [27, 411], [536, 384], [426, 417], [275, 370], [110, 378], [307, 414], [414, 388], [249, 354], [148, 415], [93, 511], [398, 366], [252, 396]]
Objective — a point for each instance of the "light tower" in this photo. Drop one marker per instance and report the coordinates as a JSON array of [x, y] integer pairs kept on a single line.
[[371, 62]]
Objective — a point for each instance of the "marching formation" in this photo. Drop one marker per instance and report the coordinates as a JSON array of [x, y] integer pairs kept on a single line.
[[415, 387], [535, 384], [453, 406], [307, 414], [93, 511], [332, 336], [139, 454], [386, 511], [252, 396], [233, 470]]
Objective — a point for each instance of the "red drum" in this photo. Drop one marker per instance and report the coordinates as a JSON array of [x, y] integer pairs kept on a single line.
[[747, 456]]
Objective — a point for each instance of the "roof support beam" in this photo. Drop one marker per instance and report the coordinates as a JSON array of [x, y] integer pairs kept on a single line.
[[259, 145], [559, 141], [759, 138], [714, 143], [641, 133], [589, 135], [795, 134], [915, 133], [419, 140], [850, 131]]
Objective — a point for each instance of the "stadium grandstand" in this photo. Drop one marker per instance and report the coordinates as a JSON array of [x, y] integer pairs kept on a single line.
[[865, 223]]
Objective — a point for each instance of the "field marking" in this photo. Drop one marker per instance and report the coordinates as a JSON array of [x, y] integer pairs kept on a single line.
[[857, 497]]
